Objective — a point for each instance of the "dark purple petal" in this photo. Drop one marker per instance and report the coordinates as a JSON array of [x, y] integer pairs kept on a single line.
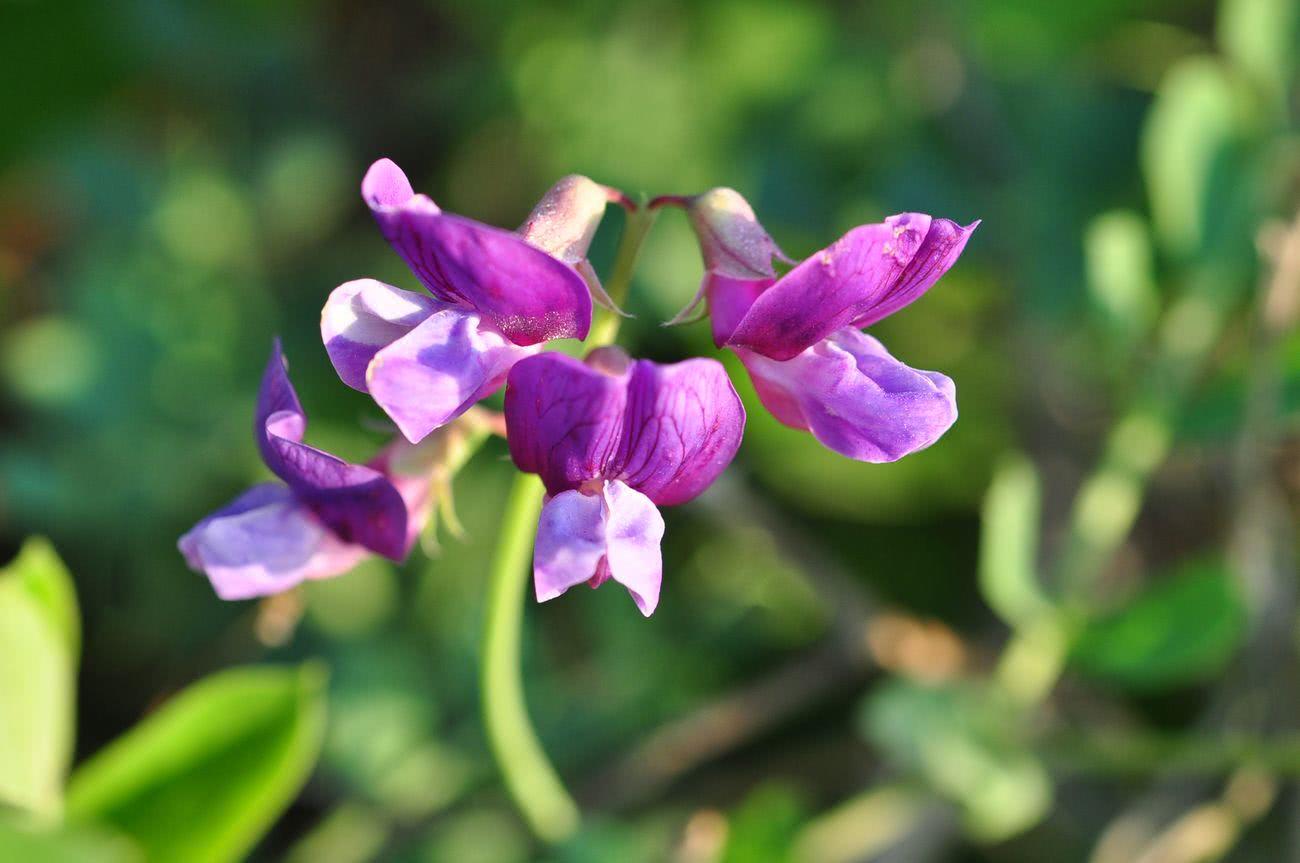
[[870, 272], [528, 294], [563, 419], [855, 398], [362, 317], [264, 542], [440, 369], [358, 503], [682, 426], [592, 537], [410, 469]]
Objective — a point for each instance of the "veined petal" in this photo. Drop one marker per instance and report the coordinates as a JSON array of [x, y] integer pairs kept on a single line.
[[869, 273], [563, 419], [263, 542], [528, 294], [682, 426], [591, 537], [855, 398], [442, 367], [364, 316], [357, 503]]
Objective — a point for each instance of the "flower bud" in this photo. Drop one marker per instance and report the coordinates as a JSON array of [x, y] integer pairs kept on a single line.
[[565, 219], [731, 239]]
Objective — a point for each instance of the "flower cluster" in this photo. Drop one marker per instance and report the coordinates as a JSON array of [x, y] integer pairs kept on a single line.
[[612, 438]]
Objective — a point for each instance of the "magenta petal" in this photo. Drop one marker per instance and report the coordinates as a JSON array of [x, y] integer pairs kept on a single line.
[[358, 503], [564, 419], [585, 538], [870, 272], [265, 542], [364, 316], [729, 300], [855, 398], [438, 370], [528, 294], [682, 427]]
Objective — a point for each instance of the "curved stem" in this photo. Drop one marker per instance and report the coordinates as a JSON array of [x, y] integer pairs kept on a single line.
[[529, 776]]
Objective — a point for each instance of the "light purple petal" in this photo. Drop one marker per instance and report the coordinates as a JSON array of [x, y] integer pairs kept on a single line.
[[358, 503], [440, 369], [870, 272], [264, 542], [563, 418], [682, 427], [732, 241], [855, 398], [364, 316], [591, 537], [528, 294]]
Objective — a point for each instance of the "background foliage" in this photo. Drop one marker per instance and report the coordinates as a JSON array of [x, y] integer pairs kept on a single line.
[[1066, 630]]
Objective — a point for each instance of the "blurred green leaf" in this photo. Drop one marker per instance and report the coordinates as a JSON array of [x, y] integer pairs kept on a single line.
[[1183, 629], [31, 843], [40, 633], [963, 741], [1121, 274], [1008, 566], [207, 774], [1199, 116], [763, 828], [1260, 37]]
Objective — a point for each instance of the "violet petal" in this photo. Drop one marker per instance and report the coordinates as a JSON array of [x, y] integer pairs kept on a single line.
[[364, 316], [855, 398]]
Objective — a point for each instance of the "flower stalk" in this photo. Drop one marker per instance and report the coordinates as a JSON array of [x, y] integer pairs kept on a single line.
[[529, 776]]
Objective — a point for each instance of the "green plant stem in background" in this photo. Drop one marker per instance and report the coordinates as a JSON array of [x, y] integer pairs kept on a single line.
[[529, 776]]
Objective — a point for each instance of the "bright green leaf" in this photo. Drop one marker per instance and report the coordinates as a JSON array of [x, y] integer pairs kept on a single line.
[[1260, 37], [964, 742], [1197, 122], [1183, 629], [1008, 564], [206, 775], [39, 637], [31, 843]]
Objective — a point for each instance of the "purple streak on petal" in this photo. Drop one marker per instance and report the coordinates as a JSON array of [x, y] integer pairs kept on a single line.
[[682, 426], [729, 300], [358, 503], [364, 316], [870, 272], [563, 419], [590, 538], [440, 369], [855, 398], [530, 296], [263, 542]]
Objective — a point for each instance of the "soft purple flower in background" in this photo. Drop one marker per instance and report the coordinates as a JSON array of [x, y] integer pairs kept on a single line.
[[613, 439], [799, 334], [496, 296], [326, 517]]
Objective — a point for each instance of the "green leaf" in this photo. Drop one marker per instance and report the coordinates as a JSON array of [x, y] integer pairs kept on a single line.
[[39, 638], [1183, 629], [965, 742], [1190, 155], [1008, 564], [32, 843], [1121, 274], [205, 776], [1260, 37]]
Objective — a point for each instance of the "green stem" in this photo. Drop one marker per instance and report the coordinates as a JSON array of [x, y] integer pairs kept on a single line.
[[529, 776]]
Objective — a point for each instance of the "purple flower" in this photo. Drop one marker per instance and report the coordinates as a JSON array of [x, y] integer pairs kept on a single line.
[[496, 296], [325, 517], [799, 334], [613, 439]]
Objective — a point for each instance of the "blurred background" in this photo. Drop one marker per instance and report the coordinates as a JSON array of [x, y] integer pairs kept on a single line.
[[1067, 631]]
